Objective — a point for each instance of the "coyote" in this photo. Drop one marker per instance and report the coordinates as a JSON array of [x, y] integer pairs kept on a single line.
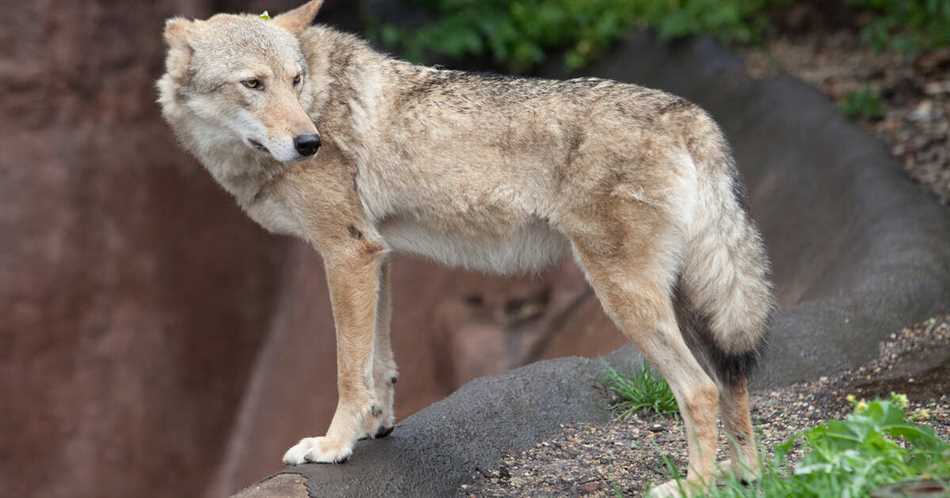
[[491, 173]]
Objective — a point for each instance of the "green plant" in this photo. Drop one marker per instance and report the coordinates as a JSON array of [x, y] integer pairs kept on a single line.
[[615, 490], [862, 104], [643, 390], [906, 25], [518, 34], [874, 446]]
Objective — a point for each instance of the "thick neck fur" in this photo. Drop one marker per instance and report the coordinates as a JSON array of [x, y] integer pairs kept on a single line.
[[341, 112], [348, 81]]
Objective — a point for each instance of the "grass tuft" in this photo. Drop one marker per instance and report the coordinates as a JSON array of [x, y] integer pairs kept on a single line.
[[641, 391], [863, 104]]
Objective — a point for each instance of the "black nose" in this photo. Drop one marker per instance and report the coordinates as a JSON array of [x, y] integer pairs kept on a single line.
[[307, 145]]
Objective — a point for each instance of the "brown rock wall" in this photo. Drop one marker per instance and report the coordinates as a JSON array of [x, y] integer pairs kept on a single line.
[[134, 295]]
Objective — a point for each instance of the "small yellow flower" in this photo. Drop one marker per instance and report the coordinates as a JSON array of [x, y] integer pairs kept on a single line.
[[900, 399], [920, 415], [265, 16], [851, 398], [861, 406]]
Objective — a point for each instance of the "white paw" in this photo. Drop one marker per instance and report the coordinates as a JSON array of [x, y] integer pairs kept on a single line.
[[381, 418], [318, 450], [747, 473], [378, 423], [670, 489]]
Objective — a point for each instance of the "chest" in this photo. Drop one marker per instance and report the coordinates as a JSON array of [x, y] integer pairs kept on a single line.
[[275, 217]]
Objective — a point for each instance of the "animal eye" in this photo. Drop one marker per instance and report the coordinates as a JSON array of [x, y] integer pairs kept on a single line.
[[297, 80], [253, 84]]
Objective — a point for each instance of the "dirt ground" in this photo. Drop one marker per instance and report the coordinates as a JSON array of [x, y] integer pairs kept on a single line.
[[624, 457], [823, 48]]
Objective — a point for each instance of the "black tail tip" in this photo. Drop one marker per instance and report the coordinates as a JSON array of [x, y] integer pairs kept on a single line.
[[735, 368]]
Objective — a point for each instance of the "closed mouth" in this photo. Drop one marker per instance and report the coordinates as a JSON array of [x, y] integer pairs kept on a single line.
[[257, 145]]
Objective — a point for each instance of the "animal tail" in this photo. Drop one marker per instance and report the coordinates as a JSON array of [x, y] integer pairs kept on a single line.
[[723, 296]]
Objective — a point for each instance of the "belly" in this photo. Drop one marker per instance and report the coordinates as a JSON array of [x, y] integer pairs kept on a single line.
[[524, 249]]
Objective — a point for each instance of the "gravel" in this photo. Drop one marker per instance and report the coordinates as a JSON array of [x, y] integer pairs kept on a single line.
[[625, 457], [914, 91]]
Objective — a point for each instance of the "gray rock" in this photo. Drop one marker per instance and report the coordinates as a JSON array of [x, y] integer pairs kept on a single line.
[[433, 452]]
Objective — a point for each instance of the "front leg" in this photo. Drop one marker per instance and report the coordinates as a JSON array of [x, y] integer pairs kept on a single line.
[[384, 364], [354, 282]]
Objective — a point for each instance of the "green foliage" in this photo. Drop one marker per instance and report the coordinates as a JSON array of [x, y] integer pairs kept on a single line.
[[862, 104], [906, 25], [642, 391], [518, 34], [874, 446]]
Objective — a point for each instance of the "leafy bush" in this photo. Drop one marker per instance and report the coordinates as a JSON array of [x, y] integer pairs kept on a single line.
[[641, 391], [874, 446], [862, 104], [907, 25], [518, 34]]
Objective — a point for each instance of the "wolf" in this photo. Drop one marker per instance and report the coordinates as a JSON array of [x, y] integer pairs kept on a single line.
[[318, 136]]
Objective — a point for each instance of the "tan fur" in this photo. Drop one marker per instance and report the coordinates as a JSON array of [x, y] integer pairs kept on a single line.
[[737, 421], [491, 173]]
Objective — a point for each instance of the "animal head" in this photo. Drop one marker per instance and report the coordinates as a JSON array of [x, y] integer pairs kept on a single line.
[[243, 79]]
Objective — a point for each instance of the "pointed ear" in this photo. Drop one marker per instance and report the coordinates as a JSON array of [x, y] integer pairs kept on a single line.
[[178, 35], [300, 18], [178, 31]]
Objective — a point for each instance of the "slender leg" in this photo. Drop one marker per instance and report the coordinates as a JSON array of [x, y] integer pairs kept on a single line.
[[354, 294], [737, 422], [385, 373], [631, 287]]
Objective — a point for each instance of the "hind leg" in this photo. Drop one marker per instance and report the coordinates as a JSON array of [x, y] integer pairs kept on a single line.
[[633, 285], [737, 422]]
